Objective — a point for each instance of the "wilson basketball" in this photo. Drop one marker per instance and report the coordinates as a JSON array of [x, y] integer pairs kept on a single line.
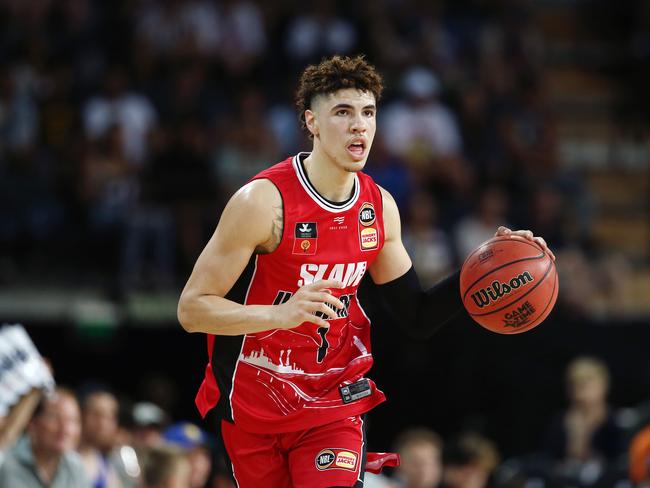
[[508, 285]]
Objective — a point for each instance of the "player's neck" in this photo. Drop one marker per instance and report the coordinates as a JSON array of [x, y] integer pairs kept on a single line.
[[330, 180]]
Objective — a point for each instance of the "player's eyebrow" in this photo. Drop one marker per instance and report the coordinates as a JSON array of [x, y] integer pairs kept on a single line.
[[347, 105]]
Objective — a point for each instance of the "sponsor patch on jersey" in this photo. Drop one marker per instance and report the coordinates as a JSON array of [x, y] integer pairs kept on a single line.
[[367, 214], [305, 239], [306, 230], [336, 459], [368, 238], [346, 460]]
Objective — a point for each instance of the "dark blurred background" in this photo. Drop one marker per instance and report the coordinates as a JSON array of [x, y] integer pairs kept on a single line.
[[125, 126]]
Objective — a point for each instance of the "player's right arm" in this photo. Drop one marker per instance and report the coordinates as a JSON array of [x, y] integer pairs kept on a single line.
[[251, 223]]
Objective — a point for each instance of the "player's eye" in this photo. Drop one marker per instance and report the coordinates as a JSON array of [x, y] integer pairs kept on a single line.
[[369, 113], [341, 112]]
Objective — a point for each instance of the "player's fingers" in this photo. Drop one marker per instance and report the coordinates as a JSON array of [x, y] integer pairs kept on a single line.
[[502, 231], [324, 284], [320, 322], [542, 243], [327, 311], [323, 296], [526, 234]]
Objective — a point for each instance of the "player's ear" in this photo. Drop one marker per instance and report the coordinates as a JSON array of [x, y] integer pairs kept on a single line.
[[311, 122]]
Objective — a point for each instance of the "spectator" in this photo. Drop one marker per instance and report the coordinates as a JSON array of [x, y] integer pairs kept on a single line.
[[320, 32], [469, 462], [194, 443], [428, 245], [489, 213], [165, 467], [120, 106], [46, 456], [149, 422], [585, 438], [12, 425], [420, 450], [99, 413]]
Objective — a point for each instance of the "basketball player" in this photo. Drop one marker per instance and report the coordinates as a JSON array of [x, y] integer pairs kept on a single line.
[[277, 284]]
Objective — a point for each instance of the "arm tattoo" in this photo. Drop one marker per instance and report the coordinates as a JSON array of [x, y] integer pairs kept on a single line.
[[276, 232], [277, 226]]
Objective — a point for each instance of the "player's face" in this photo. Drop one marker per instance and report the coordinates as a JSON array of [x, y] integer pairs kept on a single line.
[[343, 124]]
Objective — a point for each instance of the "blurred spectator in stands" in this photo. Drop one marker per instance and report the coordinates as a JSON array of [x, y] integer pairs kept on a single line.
[[547, 215], [424, 133], [99, 415], [420, 128], [639, 458], [108, 185], [195, 443], [428, 244], [19, 111], [46, 456], [13, 424], [149, 423], [578, 285], [614, 290], [477, 128], [165, 467], [476, 228], [584, 438], [247, 147], [390, 172], [319, 32], [420, 451], [469, 462], [119, 106], [244, 36]]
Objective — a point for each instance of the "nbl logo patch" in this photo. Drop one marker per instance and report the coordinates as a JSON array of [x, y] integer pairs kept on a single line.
[[336, 459], [367, 214]]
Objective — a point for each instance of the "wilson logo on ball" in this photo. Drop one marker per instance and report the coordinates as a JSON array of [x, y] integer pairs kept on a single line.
[[497, 290]]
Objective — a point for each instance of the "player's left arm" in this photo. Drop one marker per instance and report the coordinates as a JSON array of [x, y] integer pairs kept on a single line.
[[422, 312]]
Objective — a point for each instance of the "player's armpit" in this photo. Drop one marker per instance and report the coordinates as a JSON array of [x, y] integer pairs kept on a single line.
[[421, 312]]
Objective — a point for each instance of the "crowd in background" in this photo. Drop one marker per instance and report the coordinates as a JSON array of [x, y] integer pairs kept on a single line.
[[126, 126], [93, 437]]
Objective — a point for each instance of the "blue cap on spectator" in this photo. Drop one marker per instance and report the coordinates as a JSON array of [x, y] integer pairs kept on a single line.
[[185, 435]]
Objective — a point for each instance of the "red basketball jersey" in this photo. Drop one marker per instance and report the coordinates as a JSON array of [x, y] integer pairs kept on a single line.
[[284, 380]]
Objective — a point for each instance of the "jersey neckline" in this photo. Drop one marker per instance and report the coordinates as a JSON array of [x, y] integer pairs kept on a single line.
[[321, 201]]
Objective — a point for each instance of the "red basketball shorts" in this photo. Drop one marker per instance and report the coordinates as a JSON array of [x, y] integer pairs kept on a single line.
[[331, 455]]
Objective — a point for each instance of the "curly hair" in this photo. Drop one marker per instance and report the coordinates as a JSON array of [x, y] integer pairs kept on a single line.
[[333, 74]]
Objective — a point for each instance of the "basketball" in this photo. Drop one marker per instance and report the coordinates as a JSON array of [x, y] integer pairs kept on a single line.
[[508, 285]]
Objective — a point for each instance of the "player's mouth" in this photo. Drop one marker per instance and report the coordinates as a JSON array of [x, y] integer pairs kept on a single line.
[[357, 149]]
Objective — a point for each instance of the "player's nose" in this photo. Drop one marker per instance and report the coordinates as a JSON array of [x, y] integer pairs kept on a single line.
[[357, 124]]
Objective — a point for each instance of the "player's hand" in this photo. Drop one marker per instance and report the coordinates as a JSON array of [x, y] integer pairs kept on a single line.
[[306, 302], [526, 234]]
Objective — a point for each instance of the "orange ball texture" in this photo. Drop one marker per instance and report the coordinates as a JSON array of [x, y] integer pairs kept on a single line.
[[509, 285]]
